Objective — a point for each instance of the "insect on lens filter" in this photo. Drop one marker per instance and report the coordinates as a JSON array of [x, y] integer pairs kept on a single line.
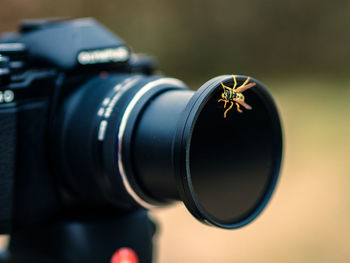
[[225, 168]]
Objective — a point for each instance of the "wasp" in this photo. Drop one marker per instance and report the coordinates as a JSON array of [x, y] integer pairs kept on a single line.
[[234, 95]]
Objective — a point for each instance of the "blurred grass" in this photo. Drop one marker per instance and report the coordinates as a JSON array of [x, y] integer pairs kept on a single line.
[[308, 217]]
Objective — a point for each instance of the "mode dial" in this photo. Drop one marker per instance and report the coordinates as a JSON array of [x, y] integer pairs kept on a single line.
[[4, 71], [16, 53]]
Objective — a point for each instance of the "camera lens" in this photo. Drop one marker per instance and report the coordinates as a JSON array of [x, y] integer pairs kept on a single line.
[[133, 140]]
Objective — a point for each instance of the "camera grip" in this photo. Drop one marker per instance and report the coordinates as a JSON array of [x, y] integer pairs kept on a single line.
[[7, 167]]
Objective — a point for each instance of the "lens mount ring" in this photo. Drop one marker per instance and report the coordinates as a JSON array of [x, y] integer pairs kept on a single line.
[[128, 181], [185, 181]]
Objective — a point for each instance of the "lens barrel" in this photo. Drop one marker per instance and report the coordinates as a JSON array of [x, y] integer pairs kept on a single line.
[[134, 140]]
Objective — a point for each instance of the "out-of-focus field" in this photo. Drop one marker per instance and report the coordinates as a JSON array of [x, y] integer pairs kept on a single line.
[[308, 219]]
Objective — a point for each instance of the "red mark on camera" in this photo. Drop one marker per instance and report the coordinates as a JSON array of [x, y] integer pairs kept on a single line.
[[124, 255]]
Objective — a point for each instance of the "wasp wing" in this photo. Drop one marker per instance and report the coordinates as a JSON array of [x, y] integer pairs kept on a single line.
[[245, 87], [245, 105]]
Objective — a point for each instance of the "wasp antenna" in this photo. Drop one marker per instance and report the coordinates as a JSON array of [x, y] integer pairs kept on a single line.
[[225, 87]]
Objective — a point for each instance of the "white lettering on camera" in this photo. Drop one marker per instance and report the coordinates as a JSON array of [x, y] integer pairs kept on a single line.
[[106, 55], [6, 96], [102, 130]]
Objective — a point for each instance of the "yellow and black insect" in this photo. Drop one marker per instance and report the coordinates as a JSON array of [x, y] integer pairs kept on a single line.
[[234, 95]]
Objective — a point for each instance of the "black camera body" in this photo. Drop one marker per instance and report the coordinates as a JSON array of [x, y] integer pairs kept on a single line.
[[90, 136], [41, 66]]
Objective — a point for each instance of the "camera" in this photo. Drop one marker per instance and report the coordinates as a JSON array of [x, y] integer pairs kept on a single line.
[[91, 136]]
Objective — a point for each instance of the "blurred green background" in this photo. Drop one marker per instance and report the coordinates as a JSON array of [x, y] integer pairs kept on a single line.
[[197, 39], [301, 51]]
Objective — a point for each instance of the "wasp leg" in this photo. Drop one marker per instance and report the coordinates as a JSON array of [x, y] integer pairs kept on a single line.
[[223, 101], [238, 108], [235, 81], [228, 109]]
